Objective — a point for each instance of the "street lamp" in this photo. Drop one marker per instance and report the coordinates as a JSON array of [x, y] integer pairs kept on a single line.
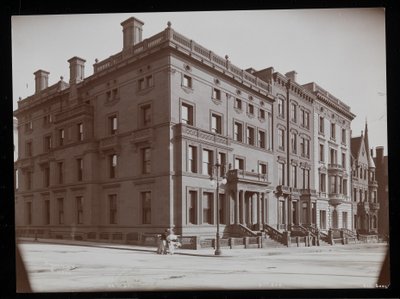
[[217, 240]]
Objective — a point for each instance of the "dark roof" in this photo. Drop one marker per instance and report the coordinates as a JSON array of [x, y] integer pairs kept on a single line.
[[355, 146]]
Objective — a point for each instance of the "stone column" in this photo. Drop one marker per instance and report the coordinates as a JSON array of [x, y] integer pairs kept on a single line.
[[237, 194], [259, 207], [242, 207]]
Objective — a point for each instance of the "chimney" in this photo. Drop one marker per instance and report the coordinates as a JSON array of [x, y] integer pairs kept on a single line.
[[132, 31], [379, 155], [41, 80], [292, 76], [76, 70]]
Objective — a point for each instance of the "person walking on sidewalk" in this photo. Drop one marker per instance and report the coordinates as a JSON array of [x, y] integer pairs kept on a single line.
[[162, 245]]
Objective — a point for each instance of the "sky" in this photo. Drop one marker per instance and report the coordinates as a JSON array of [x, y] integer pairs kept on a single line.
[[342, 50]]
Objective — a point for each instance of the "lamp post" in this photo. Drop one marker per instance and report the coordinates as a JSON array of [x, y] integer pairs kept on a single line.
[[217, 239]]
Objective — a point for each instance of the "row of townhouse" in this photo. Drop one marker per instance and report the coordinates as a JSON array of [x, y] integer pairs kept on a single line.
[[135, 147]]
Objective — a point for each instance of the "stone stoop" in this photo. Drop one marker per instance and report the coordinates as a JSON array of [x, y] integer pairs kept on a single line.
[[267, 242]]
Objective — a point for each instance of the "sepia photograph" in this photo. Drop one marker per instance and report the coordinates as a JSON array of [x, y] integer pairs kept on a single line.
[[201, 150]]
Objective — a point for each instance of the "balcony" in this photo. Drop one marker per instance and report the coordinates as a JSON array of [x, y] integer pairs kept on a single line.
[[109, 143], [283, 190], [335, 169], [374, 205], [373, 183], [81, 110], [239, 175], [363, 206], [193, 132], [337, 198], [309, 192]]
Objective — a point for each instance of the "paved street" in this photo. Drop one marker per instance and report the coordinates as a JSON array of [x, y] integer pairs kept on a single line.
[[101, 267]]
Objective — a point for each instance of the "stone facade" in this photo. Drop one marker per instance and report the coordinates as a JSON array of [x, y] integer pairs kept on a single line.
[[134, 148], [365, 186]]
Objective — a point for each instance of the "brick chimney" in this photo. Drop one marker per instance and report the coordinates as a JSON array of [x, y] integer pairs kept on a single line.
[[132, 32], [41, 80], [379, 155], [292, 75], [76, 70]]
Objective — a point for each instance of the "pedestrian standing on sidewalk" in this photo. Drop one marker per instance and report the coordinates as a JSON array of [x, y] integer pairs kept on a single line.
[[162, 249]]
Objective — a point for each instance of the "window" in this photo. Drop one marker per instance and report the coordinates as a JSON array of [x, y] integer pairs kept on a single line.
[[216, 94], [333, 131], [207, 207], [80, 131], [145, 115], [250, 136], [333, 184], [29, 180], [47, 120], [344, 136], [239, 163], [207, 162], [281, 139], [344, 218], [281, 212], [250, 109], [187, 114], [333, 156], [192, 207], [46, 176], [221, 208], [261, 139], [112, 124], [60, 206], [343, 160], [108, 96], [345, 187], [293, 176], [303, 146], [293, 112], [293, 142], [281, 111], [146, 207], [187, 81], [281, 174], [304, 213], [28, 126], [216, 123], [146, 160], [321, 153], [112, 165], [61, 137], [222, 162], [79, 210], [261, 114], [307, 148], [47, 212], [361, 195], [192, 159], [146, 82], [238, 104], [47, 143], [305, 118], [322, 219], [28, 213], [306, 179], [321, 125], [262, 168], [28, 149], [79, 167], [322, 182], [238, 132], [141, 84], [355, 194], [60, 170], [112, 203], [366, 195]]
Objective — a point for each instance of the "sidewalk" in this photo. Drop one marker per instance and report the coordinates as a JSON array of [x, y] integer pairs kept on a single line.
[[206, 252]]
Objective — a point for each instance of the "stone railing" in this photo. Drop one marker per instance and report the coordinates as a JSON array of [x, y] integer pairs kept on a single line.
[[374, 205], [189, 131], [73, 112], [240, 175], [283, 189], [308, 192], [180, 41], [331, 97], [275, 234]]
